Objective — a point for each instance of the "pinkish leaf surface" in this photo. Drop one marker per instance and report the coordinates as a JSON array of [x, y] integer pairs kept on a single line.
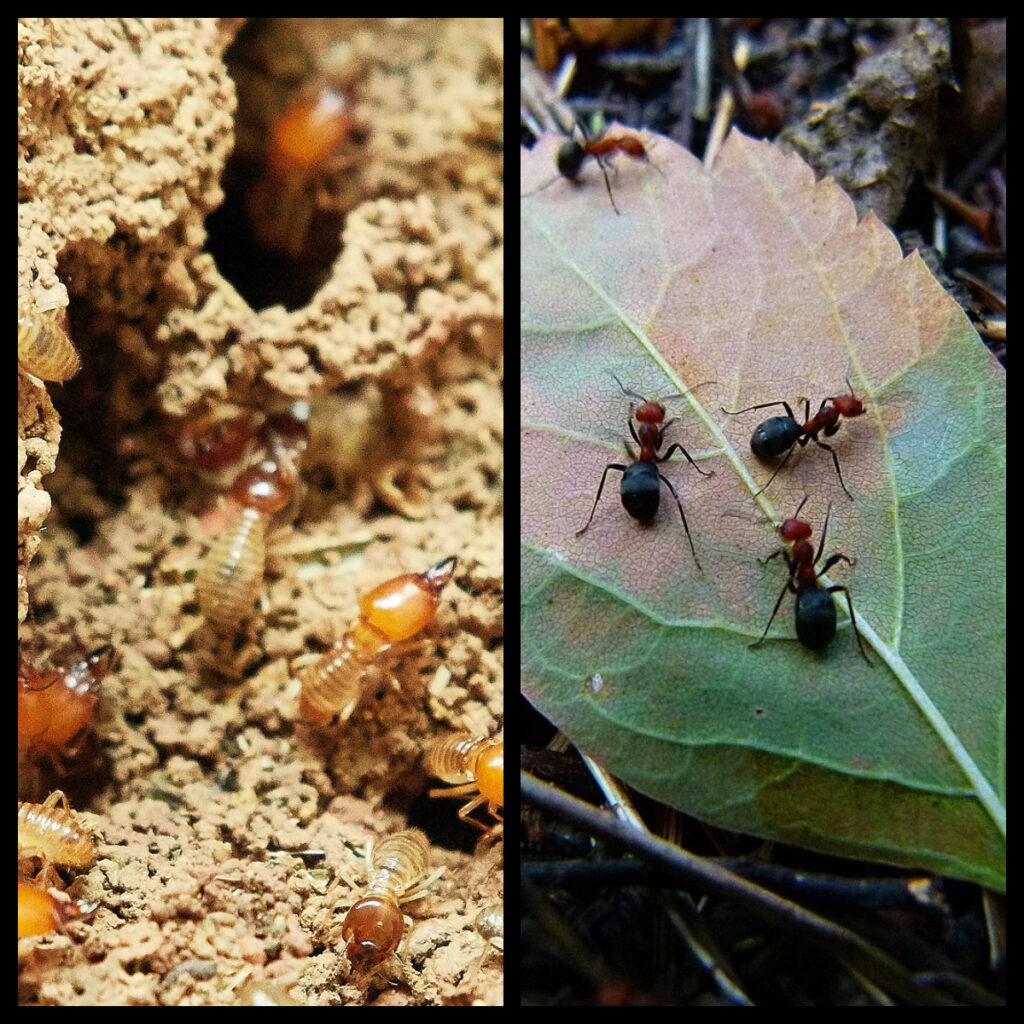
[[759, 278]]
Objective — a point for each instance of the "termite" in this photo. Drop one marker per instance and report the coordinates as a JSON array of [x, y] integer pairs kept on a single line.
[[231, 576], [473, 766], [213, 441], [39, 912], [373, 927], [490, 924], [53, 834], [308, 133], [390, 613], [304, 142], [44, 348], [56, 708]]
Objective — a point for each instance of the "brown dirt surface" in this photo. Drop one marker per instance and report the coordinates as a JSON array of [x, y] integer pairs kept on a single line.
[[230, 836]]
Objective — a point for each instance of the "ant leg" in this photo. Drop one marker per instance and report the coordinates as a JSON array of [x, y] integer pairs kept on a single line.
[[607, 184], [832, 561], [853, 621], [611, 465], [683, 517], [835, 459], [792, 448], [824, 534], [774, 554], [764, 405], [788, 586], [673, 447]]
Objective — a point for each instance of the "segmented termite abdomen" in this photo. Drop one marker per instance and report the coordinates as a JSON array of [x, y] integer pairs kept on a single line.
[[44, 348], [475, 768], [399, 862], [231, 575], [333, 685], [453, 758], [51, 832]]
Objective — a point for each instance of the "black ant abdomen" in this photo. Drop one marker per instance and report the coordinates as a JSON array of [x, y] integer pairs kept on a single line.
[[815, 618], [570, 159], [641, 491], [774, 436]]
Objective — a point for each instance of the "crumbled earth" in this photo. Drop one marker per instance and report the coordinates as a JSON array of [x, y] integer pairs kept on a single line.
[[231, 837]]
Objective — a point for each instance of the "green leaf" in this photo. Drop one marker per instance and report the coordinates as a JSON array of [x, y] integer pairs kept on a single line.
[[757, 277]]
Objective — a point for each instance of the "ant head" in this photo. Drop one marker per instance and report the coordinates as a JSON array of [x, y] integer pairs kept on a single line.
[[848, 405], [570, 159], [795, 529]]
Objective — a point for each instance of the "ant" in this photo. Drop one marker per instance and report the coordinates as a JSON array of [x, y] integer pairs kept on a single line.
[[815, 609], [571, 155], [782, 433], [641, 492]]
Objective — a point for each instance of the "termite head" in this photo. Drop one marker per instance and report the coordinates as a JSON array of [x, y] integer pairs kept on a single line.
[[490, 774], [39, 912], [308, 132], [213, 441], [401, 607], [53, 709], [265, 487], [372, 931]]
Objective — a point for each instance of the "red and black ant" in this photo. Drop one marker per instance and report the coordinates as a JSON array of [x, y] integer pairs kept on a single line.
[[782, 433], [641, 490], [815, 609], [572, 153]]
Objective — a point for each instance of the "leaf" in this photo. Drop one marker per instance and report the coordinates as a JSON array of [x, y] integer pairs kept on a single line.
[[757, 277]]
